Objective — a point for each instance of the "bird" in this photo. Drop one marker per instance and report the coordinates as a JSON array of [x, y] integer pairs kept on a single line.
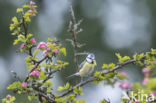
[[86, 68]]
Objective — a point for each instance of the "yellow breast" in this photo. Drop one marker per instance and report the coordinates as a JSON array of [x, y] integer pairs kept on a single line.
[[86, 69]]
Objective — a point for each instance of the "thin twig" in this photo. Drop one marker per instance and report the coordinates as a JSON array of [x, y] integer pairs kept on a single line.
[[36, 65]]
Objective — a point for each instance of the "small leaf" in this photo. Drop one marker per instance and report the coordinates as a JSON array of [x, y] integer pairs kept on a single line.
[[35, 52], [19, 10], [63, 51]]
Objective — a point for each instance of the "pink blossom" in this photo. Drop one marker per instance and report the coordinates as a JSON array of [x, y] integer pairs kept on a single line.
[[145, 70], [30, 11], [144, 82], [32, 3], [48, 49], [14, 23], [56, 51], [124, 85], [41, 45], [124, 74], [45, 52], [24, 84], [147, 74], [43, 99], [22, 45], [34, 14], [136, 101], [153, 93], [32, 40], [8, 96], [35, 73]]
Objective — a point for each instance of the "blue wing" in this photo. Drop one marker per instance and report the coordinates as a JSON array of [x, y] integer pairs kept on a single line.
[[81, 65]]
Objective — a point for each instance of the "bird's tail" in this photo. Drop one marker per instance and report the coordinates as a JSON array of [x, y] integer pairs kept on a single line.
[[75, 74]]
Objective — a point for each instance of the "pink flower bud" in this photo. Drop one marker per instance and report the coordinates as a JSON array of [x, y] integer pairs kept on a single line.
[[147, 74], [124, 85], [136, 101], [145, 70], [43, 99], [32, 40], [14, 23], [45, 52], [34, 14], [32, 3], [24, 84], [153, 93], [144, 82], [41, 45], [8, 96], [35, 73], [56, 51], [22, 45], [30, 11]]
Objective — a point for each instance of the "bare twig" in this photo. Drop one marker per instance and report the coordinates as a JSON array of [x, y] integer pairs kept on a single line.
[[73, 28]]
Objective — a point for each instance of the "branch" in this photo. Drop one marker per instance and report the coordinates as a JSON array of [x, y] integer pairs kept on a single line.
[[94, 78], [24, 26], [73, 30], [36, 65], [50, 74]]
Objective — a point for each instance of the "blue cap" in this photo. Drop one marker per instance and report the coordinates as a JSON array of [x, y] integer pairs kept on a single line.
[[91, 56]]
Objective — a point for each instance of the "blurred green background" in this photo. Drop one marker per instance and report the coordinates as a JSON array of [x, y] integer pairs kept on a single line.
[[109, 26]]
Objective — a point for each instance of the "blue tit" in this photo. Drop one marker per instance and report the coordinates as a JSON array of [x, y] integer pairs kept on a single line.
[[86, 67]]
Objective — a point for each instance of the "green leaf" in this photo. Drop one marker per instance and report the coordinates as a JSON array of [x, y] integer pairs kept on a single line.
[[16, 42], [26, 6], [35, 52], [63, 51], [30, 97], [67, 86], [42, 75], [137, 86], [29, 35], [153, 51], [151, 84], [19, 10], [122, 59], [49, 90], [108, 66], [103, 101], [14, 19], [21, 38], [48, 83], [49, 40], [15, 85], [60, 88], [12, 26]]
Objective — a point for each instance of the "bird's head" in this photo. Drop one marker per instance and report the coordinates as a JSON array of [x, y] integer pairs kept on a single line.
[[90, 57]]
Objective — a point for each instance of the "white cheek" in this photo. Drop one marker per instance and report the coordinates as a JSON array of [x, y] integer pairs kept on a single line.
[[89, 60]]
